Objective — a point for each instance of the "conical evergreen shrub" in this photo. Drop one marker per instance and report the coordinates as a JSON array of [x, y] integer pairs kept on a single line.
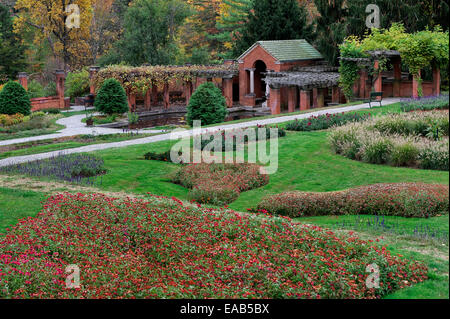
[[111, 98], [208, 105], [14, 99]]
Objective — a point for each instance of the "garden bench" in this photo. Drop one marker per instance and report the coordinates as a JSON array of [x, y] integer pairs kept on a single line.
[[374, 98]]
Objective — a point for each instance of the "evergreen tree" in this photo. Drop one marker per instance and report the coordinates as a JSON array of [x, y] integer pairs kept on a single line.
[[331, 25], [12, 52], [274, 20]]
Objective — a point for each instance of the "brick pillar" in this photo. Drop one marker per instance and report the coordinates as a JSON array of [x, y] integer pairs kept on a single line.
[[292, 94], [320, 99], [148, 99], [93, 70], [188, 91], [60, 79], [436, 80], [243, 84], [336, 95], [132, 101], [227, 84], [378, 85], [397, 78], [305, 100], [275, 100], [154, 94], [166, 96], [315, 94], [23, 80], [415, 84], [364, 76]]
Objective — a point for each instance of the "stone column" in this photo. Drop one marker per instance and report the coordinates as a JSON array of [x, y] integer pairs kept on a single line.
[[188, 91], [275, 100], [93, 70], [378, 85], [227, 84], [23, 80], [305, 100], [292, 94], [60, 79], [166, 96], [397, 78], [252, 81], [436, 80]]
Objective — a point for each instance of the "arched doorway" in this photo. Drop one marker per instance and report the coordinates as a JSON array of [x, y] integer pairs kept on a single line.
[[260, 86]]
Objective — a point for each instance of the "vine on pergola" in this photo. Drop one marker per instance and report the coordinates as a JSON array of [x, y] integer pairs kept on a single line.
[[141, 79], [417, 51]]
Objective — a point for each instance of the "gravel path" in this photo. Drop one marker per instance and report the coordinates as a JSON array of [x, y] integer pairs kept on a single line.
[[73, 128]]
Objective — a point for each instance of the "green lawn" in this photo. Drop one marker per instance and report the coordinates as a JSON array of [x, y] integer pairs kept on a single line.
[[17, 204]]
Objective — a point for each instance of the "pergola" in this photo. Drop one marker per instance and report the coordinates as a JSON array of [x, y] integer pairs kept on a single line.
[[309, 81], [400, 88], [191, 77]]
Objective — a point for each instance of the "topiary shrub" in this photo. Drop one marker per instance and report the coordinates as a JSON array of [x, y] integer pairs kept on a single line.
[[207, 105], [14, 99], [111, 98]]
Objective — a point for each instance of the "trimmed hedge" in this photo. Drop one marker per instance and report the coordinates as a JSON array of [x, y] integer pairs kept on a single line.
[[14, 99], [111, 98], [406, 200], [207, 105]]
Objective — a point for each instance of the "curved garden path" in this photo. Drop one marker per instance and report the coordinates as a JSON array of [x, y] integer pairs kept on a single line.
[[73, 128]]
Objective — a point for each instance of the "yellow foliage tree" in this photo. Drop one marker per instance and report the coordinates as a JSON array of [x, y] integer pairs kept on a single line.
[[56, 21]]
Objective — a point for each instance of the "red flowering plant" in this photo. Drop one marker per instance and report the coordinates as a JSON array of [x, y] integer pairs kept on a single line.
[[161, 248], [219, 184], [404, 199]]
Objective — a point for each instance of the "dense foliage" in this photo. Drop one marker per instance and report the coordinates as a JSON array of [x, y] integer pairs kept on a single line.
[[406, 200], [411, 139], [14, 99], [77, 83], [111, 98], [74, 168], [426, 104], [207, 105], [323, 122], [219, 184], [161, 248]]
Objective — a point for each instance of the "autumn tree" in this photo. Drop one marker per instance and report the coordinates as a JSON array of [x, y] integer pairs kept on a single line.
[[48, 19]]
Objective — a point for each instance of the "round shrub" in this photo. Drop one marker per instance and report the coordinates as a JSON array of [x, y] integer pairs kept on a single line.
[[207, 105], [111, 98], [14, 99]]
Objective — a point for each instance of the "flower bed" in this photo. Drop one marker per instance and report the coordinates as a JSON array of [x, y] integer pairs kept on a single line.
[[425, 104], [219, 184], [159, 248], [75, 168], [323, 122], [406, 200], [412, 140]]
